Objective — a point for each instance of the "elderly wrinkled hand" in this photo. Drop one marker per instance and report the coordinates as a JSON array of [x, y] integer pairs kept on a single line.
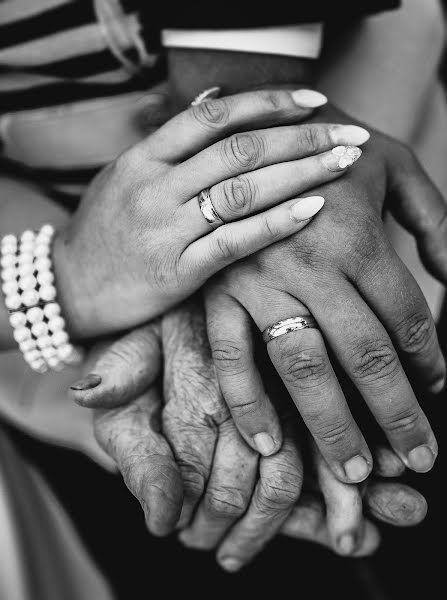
[[212, 484]]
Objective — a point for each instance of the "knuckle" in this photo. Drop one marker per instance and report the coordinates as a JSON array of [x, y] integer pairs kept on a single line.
[[280, 490], [239, 195], [333, 432], [273, 101], [244, 151], [311, 138], [226, 247], [305, 368], [375, 360], [228, 356], [415, 332], [406, 420], [214, 114], [225, 502]]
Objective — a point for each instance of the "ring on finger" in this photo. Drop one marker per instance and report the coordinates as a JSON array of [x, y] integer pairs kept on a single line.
[[208, 210], [287, 326]]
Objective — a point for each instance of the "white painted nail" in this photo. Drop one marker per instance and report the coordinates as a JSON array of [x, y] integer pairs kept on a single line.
[[306, 208], [341, 157], [309, 98], [349, 135]]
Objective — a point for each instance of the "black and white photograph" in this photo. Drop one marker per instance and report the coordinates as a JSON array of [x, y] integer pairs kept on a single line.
[[223, 320]]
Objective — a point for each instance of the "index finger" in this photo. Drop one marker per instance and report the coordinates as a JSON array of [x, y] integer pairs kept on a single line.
[[202, 124]]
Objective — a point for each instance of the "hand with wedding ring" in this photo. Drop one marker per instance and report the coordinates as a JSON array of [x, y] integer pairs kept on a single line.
[[340, 287], [145, 235], [196, 464]]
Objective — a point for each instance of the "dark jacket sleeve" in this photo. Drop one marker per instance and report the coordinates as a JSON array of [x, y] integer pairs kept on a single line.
[[212, 14]]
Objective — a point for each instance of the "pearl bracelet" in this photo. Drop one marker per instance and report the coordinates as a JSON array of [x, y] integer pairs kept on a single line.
[[30, 297]]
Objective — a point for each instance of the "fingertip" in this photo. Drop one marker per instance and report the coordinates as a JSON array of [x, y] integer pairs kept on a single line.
[[265, 444], [370, 541], [306, 208]]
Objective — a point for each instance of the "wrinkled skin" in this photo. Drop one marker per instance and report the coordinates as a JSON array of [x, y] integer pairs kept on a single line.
[[225, 495]]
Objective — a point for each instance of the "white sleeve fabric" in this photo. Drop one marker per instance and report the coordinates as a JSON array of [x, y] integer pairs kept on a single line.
[[290, 40]]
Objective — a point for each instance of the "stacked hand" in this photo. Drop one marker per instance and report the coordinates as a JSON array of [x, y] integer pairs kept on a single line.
[[186, 463], [214, 484]]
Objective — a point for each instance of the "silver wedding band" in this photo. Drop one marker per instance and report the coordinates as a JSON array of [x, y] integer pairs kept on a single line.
[[208, 210], [287, 326]]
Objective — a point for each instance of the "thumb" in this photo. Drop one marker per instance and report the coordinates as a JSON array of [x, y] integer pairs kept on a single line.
[[122, 371], [418, 206]]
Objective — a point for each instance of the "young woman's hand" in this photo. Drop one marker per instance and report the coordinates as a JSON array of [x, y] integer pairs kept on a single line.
[[139, 242]]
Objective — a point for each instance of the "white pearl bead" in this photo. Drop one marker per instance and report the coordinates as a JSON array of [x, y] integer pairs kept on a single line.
[[25, 258], [8, 260], [47, 292], [27, 235], [17, 319], [42, 250], [45, 277], [56, 324], [9, 239], [10, 287], [27, 247], [25, 269], [47, 229], [51, 310], [39, 366], [49, 352], [27, 345], [59, 338], [9, 249], [39, 329], [65, 351], [34, 315], [21, 334], [32, 355], [44, 342], [29, 282], [13, 302], [54, 363], [43, 264], [30, 297], [9, 274]]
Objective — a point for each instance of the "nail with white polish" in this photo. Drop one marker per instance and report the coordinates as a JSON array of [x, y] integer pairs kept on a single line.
[[306, 208], [349, 135], [208, 94], [308, 98], [341, 157]]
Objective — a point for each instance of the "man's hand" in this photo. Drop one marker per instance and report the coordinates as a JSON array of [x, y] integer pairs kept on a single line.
[[372, 315]]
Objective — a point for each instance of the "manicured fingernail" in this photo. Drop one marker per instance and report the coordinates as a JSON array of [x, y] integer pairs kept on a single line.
[[346, 544], [264, 443], [421, 459], [306, 208], [349, 135], [356, 469], [308, 98], [87, 383], [230, 564], [341, 157], [208, 94]]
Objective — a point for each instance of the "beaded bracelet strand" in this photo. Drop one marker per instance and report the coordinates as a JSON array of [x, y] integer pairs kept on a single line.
[[30, 297]]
